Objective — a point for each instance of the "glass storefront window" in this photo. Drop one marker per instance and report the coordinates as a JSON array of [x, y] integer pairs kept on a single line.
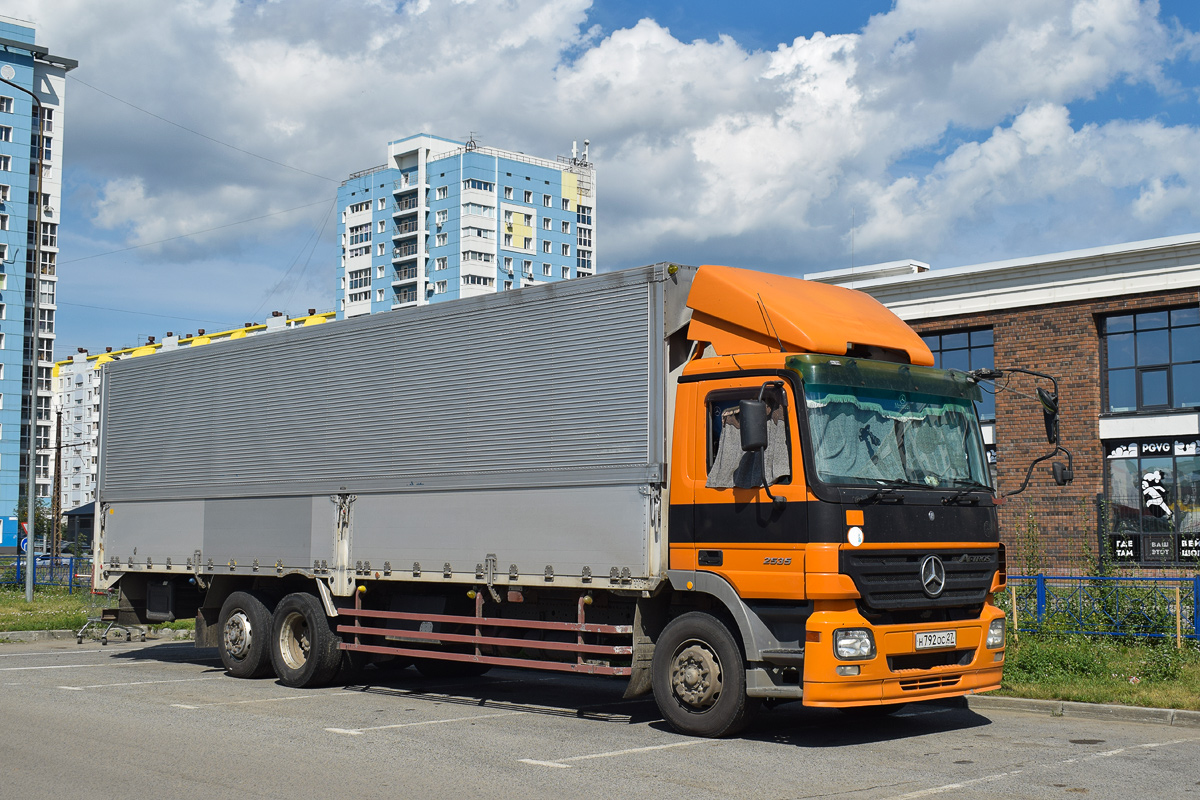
[[1153, 500], [1152, 360]]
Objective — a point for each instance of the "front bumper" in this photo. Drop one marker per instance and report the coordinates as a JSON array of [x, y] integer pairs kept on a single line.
[[898, 673]]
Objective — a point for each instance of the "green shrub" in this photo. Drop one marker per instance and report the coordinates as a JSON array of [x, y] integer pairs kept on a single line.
[[1162, 662], [1037, 658]]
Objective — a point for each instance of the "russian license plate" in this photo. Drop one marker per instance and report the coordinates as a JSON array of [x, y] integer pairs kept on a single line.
[[929, 640]]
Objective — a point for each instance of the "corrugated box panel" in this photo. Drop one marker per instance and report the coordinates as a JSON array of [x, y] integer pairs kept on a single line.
[[556, 385]]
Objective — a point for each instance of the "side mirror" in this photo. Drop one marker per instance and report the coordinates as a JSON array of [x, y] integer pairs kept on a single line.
[[753, 417], [1049, 414], [1062, 475]]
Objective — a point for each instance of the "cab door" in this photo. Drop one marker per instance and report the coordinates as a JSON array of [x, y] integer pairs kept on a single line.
[[737, 530]]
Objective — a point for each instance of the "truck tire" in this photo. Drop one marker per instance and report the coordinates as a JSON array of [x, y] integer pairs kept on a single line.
[[699, 677], [245, 634], [304, 642]]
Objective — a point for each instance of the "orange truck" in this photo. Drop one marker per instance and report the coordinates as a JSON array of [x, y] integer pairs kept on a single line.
[[728, 486]]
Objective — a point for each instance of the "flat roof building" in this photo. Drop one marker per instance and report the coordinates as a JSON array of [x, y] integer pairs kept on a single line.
[[445, 219], [26, 250]]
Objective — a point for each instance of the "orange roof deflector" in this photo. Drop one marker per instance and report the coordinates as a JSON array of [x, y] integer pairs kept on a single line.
[[743, 311]]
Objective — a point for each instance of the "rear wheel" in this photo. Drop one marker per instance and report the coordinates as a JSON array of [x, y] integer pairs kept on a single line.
[[245, 626], [699, 677], [304, 643]]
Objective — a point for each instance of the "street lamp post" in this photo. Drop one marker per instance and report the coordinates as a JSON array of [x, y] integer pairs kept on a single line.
[[31, 483]]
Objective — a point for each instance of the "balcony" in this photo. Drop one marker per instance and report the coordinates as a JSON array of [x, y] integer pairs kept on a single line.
[[404, 251], [405, 297], [405, 274], [405, 229], [407, 204]]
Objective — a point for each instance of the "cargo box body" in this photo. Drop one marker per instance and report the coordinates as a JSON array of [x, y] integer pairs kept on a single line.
[[522, 435]]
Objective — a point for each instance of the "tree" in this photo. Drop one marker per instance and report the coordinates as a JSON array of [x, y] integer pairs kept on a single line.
[[42, 522]]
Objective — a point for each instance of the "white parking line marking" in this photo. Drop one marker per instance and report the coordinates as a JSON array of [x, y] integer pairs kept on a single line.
[[69, 666], [263, 700], [139, 683], [998, 776], [361, 731], [563, 762]]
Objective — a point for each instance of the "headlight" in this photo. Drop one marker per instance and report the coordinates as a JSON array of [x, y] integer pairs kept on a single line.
[[995, 637], [853, 644]]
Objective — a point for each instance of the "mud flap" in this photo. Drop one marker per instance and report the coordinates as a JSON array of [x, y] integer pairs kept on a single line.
[[649, 617]]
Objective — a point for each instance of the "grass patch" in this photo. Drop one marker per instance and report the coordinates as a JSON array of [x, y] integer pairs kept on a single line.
[[52, 608], [1103, 670]]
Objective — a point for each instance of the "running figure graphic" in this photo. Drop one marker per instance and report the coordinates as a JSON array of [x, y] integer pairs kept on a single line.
[[1155, 494]]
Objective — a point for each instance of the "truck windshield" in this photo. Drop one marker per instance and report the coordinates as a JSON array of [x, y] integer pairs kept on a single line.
[[882, 436]]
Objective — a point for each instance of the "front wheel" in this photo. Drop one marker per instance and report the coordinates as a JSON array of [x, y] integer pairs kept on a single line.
[[699, 677], [304, 642]]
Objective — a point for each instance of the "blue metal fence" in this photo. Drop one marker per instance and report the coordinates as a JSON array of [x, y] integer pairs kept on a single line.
[[1104, 606], [69, 571]]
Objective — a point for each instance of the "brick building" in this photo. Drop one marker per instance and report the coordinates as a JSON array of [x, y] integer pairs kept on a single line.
[[1119, 327]]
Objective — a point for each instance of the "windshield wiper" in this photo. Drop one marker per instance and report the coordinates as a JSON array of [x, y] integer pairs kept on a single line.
[[889, 491], [968, 487]]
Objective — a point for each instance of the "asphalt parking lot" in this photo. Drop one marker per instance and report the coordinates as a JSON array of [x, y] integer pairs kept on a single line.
[[162, 719]]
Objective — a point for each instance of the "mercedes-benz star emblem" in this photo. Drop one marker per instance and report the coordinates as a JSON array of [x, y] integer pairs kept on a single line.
[[933, 575]]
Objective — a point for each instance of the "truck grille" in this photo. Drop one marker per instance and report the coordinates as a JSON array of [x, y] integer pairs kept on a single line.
[[938, 682], [891, 581]]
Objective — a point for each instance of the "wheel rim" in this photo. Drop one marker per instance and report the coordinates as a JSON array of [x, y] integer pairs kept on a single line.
[[293, 640], [696, 676], [238, 635]]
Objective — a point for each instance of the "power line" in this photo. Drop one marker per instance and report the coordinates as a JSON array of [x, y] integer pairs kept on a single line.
[[141, 313], [198, 133], [193, 233]]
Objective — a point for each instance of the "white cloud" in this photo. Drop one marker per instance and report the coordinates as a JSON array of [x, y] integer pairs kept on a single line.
[[942, 126]]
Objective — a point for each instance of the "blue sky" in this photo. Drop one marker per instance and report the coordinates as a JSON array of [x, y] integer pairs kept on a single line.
[[205, 141]]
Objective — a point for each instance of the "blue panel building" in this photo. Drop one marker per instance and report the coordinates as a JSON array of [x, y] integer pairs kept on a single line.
[[25, 250], [445, 219]]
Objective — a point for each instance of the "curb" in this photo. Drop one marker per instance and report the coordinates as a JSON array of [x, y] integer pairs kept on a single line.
[[1064, 708], [46, 636]]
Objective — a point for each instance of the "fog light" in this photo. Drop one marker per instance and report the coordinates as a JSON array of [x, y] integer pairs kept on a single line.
[[998, 656], [848, 670], [854, 644], [995, 637]]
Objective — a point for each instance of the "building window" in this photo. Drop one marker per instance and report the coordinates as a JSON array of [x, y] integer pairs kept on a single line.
[[566, 226], [3, 222], [508, 193], [439, 263], [528, 196], [442, 239], [507, 285], [379, 271], [6, 163], [583, 259], [6, 105], [379, 295], [545, 246], [508, 240], [546, 222], [483, 186], [360, 207], [966, 350], [583, 237], [479, 210], [379, 249], [1152, 360], [566, 249], [546, 270], [566, 204], [5, 133], [584, 215], [442, 216], [382, 204], [477, 280], [360, 278], [439, 287], [566, 272], [528, 243], [5, 190], [508, 264], [365, 250], [526, 270], [476, 255], [547, 200], [443, 192], [360, 233], [380, 226], [1153, 501]]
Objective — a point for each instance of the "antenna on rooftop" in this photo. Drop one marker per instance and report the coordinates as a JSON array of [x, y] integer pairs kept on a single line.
[[471, 145]]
